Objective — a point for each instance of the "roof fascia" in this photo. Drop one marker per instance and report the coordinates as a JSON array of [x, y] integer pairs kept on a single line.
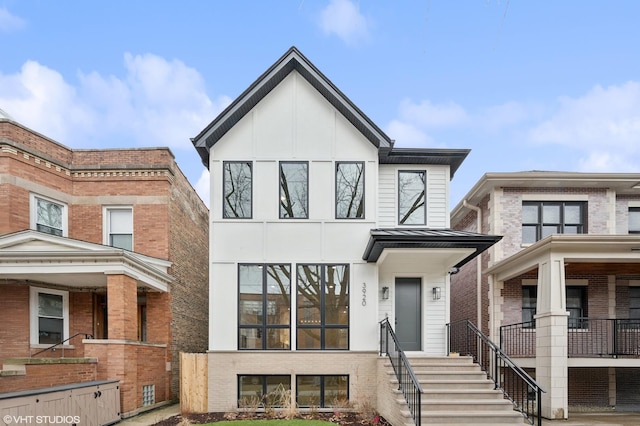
[[290, 61]]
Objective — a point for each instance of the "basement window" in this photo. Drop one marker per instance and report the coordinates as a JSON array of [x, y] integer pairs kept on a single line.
[[148, 395]]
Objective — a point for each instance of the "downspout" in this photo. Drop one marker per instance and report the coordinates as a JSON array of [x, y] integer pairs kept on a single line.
[[478, 265]]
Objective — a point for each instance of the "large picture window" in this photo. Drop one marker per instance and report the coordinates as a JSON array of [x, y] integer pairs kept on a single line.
[[264, 306], [411, 197], [237, 188], [350, 190], [49, 316], [321, 391], [634, 220], [48, 216], [323, 307], [294, 190], [262, 389], [541, 219]]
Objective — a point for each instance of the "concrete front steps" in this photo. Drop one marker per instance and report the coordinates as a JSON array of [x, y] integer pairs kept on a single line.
[[457, 392]]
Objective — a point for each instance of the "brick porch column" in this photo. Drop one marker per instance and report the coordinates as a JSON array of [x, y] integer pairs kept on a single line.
[[551, 338], [122, 358], [122, 307]]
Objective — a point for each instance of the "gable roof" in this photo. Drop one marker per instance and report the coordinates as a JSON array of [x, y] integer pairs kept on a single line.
[[290, 61], [294, 60]]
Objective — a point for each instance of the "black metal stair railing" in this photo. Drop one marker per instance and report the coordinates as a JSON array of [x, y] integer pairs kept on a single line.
[[465, 338], [407, 381], [55, 345]]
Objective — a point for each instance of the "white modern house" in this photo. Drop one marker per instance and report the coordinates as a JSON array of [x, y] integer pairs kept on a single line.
[[319, 230]]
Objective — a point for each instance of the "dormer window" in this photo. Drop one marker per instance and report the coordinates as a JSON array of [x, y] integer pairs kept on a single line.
[[411, 197]]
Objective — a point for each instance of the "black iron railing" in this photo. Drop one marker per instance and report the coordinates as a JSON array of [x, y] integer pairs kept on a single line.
[[465, 338], [586, 337], [407, 381], [55, 345]]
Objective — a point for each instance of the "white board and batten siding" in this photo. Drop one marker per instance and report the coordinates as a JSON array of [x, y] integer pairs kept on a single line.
[[437, 195], [292, 123]]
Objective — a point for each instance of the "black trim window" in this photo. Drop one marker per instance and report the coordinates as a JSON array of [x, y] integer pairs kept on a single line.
[[411, 197], [634, 220], [529, 305], [294, 190], [237, 189], [543, 218], [268, 390], [322, 391], [264, 308], [350, 190], [577, 306], [634, 303], [323, 307]]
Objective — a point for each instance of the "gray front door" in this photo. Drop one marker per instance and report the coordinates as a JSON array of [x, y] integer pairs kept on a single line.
[[408, 314]]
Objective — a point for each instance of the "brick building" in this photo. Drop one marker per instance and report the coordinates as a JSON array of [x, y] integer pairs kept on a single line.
[[105, 251], [561, 291]]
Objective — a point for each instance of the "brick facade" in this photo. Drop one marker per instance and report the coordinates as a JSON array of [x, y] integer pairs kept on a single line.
[[170, 222], [500, 197]]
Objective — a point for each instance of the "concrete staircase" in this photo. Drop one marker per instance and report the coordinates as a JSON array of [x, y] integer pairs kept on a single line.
[[456, 392]]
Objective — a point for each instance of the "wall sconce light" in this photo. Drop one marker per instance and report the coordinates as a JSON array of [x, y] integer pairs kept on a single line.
[[437, 293], [385, 293]]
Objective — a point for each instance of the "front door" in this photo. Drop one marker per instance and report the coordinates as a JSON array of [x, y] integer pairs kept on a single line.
[[408, 313]]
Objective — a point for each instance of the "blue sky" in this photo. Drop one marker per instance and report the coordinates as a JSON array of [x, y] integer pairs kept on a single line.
[[526, 85]]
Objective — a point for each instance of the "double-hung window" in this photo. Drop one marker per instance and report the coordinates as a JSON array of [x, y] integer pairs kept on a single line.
[[48, 216], [350, 190], [119, 227], [237, 189], [323, 307], [264, 315], [412, 189], [634, 220], [543, 218], [294, 190], [49, 312]]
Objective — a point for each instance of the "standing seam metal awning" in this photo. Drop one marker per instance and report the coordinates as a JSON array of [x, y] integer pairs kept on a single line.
[[424, 238]]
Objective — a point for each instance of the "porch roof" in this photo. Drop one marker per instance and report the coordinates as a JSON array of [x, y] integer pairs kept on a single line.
[[582, 253], [39, 257], [425, 238]]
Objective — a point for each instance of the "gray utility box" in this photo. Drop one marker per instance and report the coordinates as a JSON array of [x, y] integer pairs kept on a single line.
[[94, 403]]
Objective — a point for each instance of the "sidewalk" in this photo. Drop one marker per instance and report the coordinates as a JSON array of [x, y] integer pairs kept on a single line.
[[152, 417], [601, 419]]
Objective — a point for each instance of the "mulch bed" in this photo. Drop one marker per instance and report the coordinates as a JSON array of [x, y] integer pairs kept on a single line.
[[343, 418]]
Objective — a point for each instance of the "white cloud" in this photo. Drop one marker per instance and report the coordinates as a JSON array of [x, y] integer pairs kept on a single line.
[[603, 117], [39, 97], [157, 103], [202, 187], [9, 22], [429, 115], [408, 135], [343, 19]]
